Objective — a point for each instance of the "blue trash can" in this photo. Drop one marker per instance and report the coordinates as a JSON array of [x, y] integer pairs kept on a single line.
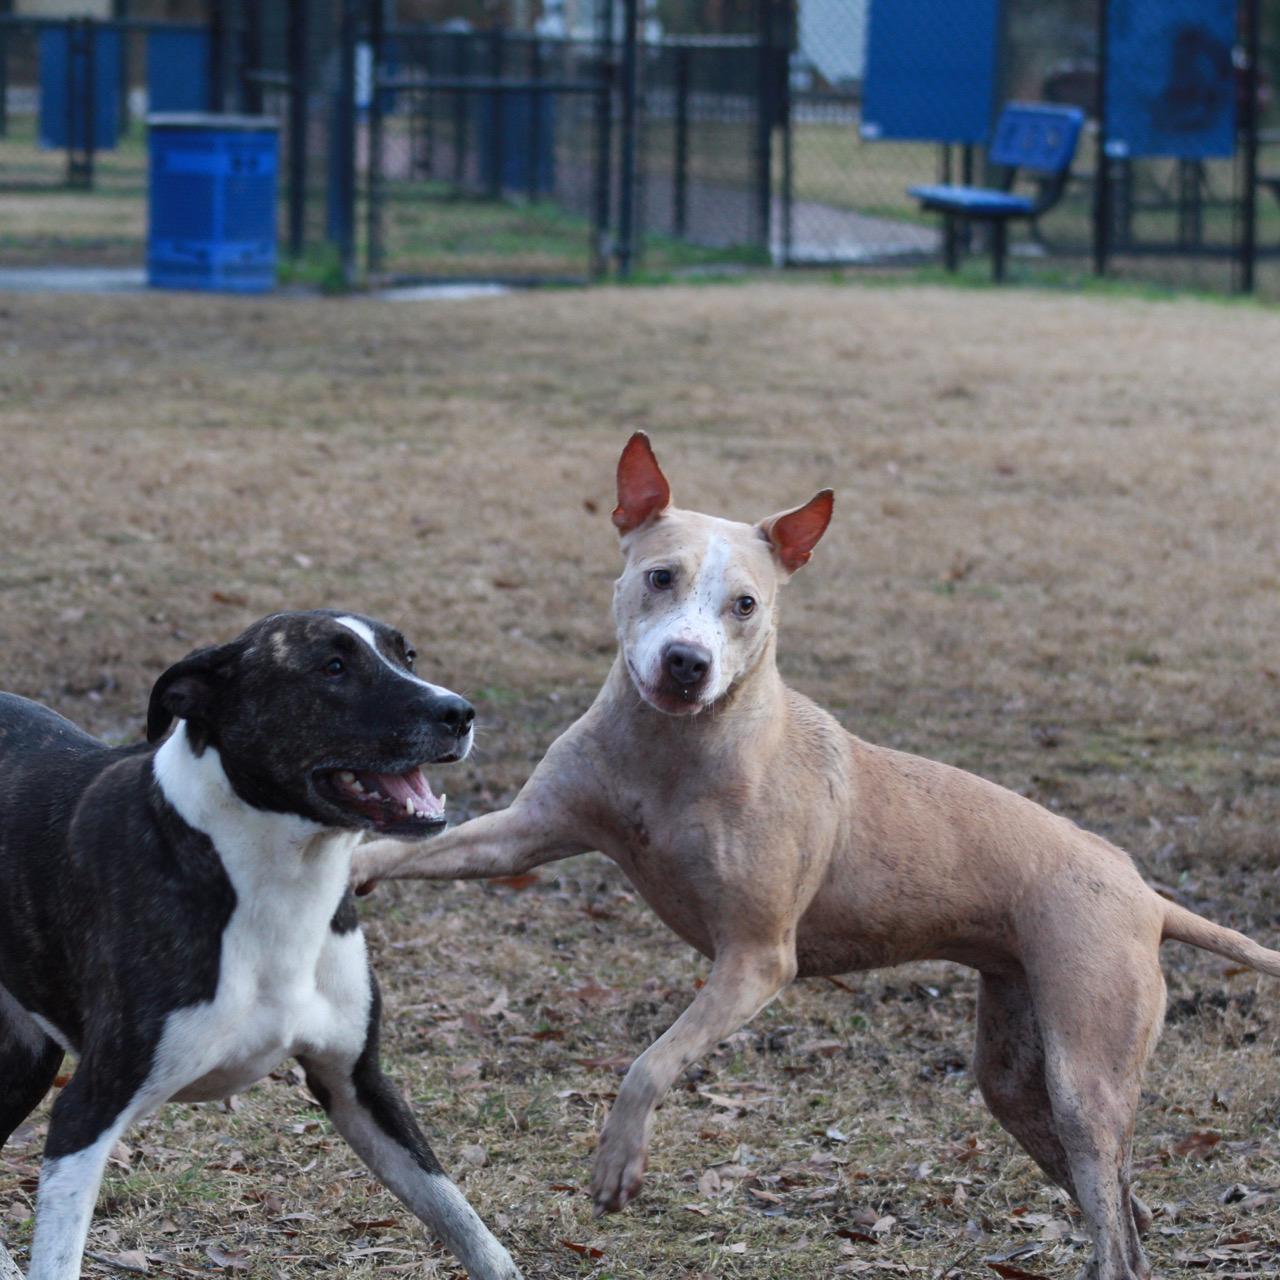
[[212, 207]]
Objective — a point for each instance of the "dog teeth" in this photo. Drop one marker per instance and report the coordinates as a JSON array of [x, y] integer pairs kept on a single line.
[[355, 786], [443, 798], [347, 776], [408, 806]]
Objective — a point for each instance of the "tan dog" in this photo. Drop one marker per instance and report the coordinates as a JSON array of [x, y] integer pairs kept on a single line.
[[780, 845]]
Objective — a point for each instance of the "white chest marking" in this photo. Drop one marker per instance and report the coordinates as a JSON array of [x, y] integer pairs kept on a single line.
[[287, 983]]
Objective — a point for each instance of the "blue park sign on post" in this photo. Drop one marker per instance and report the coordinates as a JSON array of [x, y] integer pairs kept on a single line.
[[178, 64], [78, 60], [930, 72], [1170, 82]]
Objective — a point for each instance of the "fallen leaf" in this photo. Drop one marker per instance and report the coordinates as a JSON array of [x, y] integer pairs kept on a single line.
[[591, 992], [522, 881], [821, 1048], [1199, 1144], [617, 1064], [586, 1250], [232, 1259], [130, 1260], [848, 1233]]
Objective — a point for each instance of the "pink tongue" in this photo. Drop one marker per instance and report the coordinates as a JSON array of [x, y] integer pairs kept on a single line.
[[411, 785]]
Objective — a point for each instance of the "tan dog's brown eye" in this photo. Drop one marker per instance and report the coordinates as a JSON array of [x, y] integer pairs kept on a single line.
[[744, 606], [661, 579]]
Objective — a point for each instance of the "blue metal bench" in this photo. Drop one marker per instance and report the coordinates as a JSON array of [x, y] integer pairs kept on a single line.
[[1032, 137]]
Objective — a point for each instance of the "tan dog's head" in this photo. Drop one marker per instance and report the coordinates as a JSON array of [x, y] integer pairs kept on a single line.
[[695, 606]]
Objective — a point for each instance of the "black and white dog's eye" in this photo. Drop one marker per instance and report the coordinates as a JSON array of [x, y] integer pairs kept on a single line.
[[661, 579], [409, 656], [744, 606], [334, 667]]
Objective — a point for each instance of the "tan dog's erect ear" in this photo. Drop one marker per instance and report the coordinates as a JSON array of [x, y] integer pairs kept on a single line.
[[643, 491], [794, 534]]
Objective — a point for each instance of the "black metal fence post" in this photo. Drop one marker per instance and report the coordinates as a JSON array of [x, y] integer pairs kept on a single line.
[[1102, 166], [120, 14], [90, 105], [218, 53], [766, 115], [494, 109], [1248, 170], [602, 180], [680, 194], [299, 83], [342, 145], [535, 100], [81, 121], [4, 81], [625, 249], [375, 246], [788, 15], [250, 54]]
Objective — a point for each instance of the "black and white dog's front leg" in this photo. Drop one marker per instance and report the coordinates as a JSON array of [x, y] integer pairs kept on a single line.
[[88, 1118], [371, 1114]]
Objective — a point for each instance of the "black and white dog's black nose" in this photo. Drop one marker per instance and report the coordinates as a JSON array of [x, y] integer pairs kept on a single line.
[[454, 713]]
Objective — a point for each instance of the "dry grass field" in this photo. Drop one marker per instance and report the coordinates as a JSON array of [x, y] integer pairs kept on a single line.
[[1055, 561]]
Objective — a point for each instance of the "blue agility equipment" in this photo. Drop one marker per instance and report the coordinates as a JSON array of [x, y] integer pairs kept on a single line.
[[213, 202], [1031, 138], [178, 67], [1171, 88], [930, 73], [79, 87]]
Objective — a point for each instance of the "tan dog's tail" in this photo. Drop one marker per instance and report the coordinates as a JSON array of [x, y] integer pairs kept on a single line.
[[1185, 926]]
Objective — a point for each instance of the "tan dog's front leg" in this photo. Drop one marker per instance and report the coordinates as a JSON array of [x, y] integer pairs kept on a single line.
[[497, 844], [742, 981]]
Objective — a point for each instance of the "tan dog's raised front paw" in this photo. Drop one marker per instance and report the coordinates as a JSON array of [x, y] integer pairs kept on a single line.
[[618, 1173]]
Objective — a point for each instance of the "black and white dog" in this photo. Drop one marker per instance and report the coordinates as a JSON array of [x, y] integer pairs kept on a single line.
[[179, 916]]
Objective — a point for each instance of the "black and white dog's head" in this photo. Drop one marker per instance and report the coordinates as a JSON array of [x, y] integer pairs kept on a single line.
[[319, 714]]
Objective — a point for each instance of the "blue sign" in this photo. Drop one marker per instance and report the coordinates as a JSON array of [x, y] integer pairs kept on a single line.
[[68, 75], [930, 73], [178, 71], [1170, 80]]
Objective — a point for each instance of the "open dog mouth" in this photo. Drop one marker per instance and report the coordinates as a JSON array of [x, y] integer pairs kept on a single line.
[[392, 802]]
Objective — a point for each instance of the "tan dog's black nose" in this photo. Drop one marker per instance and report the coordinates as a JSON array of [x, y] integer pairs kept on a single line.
[[687, 664]]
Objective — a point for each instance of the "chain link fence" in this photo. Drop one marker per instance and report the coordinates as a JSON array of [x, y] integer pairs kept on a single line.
[[567, 139]]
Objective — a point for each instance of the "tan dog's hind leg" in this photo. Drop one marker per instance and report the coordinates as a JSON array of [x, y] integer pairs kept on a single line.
[[1099, 1025], [1009, 1067], [742, 981]]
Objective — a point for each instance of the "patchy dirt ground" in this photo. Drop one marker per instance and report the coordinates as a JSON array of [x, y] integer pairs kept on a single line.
[[1054, 561]]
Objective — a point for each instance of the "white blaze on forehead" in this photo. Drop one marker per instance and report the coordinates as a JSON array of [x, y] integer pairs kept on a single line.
[[712, 580], [696, 619], [365, 632]]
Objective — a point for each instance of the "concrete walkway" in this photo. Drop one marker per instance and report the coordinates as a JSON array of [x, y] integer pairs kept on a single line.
[[72, 279]]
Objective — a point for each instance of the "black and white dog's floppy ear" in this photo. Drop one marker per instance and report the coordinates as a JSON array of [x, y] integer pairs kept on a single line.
[[188, 690]]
